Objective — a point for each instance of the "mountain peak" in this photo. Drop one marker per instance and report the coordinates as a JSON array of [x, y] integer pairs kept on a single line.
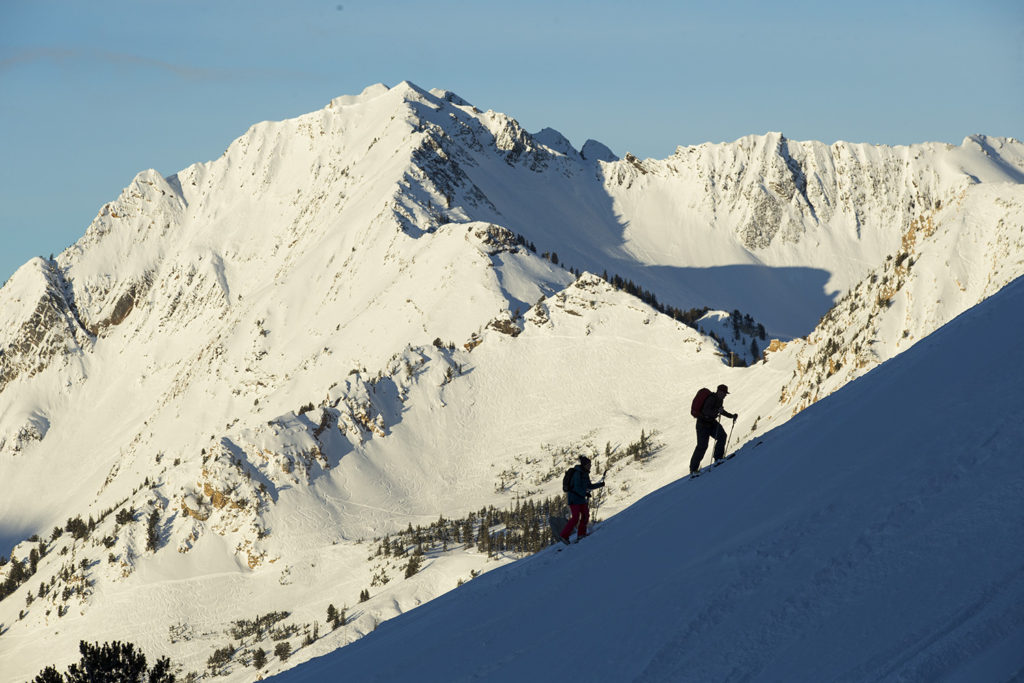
[[593, 150], [551, 138], [370, 92], [449, 96], [406, 90]]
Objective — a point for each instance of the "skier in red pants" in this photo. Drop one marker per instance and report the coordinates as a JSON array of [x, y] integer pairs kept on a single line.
[[578, 493]]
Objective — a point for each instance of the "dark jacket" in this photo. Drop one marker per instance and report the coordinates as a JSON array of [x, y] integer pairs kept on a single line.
[[712, 408], [581, 486]]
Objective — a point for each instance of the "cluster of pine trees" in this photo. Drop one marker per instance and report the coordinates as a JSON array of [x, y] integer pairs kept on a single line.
[[639, 450], [19, 571], [115, 661], [687, 317], [522, 528], [741, 322]]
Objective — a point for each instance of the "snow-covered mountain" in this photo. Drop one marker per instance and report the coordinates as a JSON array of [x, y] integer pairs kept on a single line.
[[388, 314], [882, 554]]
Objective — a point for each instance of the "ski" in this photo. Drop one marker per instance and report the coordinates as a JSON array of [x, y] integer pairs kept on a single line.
[[707, 468], [557, 524]]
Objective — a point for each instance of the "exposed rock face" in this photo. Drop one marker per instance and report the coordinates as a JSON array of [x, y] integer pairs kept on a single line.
[[41, 323]]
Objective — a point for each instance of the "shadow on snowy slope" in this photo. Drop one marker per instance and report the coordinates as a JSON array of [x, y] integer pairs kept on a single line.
[[557, 199], [788, 301]]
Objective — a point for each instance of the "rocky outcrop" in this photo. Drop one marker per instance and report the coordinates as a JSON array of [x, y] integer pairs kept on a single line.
[[40, 321]]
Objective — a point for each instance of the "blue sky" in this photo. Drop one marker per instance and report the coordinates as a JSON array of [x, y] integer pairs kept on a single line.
[[91, 93]]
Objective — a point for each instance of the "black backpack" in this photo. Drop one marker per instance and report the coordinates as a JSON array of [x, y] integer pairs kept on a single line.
[[567, 479]]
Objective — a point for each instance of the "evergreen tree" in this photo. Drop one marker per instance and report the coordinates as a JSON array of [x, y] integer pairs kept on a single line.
[[17, 572], [125, 515], [110, 663], [77, 528], [49, 675], [334, 618], [259, 658], [152, 533], [220, 658], [415, 562]]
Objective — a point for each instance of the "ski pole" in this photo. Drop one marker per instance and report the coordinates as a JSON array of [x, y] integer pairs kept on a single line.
[[729, 438]]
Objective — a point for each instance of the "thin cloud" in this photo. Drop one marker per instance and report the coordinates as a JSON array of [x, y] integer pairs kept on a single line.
[[77, 57]]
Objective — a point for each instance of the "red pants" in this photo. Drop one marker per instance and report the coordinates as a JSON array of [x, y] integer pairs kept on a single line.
[[581, 515]]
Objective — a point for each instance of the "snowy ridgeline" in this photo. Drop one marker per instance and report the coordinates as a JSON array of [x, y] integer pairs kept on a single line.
[[365, 339]]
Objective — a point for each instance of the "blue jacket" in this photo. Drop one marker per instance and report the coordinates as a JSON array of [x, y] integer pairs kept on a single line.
[[581, 486]]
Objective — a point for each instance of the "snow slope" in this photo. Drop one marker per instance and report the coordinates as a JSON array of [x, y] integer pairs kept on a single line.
[[879, 535]]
